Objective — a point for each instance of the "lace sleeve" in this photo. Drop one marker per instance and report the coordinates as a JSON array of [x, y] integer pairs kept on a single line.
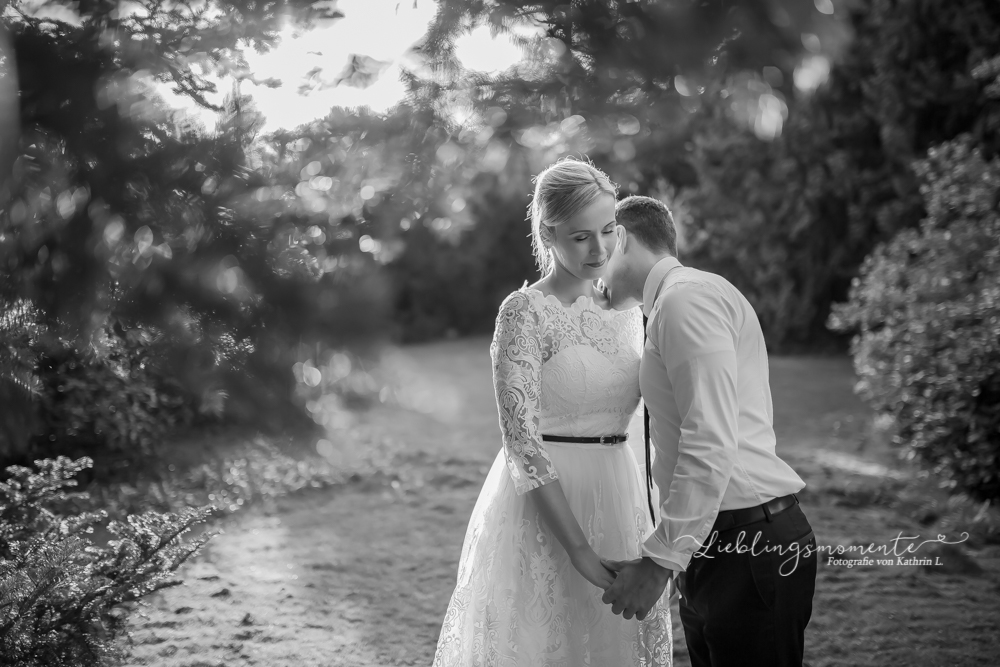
[[517, 359]]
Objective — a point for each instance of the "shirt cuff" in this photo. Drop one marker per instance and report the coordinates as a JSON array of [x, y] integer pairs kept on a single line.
[[664, 556]]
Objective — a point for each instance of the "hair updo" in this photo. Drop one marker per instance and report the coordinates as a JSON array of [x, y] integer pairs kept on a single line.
[[562, 190]]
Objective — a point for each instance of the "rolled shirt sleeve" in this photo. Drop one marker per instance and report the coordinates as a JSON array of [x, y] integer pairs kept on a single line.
[[695, 332]]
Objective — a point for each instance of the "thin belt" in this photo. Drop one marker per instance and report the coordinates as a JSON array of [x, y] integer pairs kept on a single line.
[[603, 439], [729, 519]]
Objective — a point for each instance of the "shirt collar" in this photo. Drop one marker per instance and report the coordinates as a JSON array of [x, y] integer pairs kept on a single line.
[[653, 280]]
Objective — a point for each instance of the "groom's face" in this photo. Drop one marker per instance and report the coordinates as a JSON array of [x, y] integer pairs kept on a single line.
[[619, 278]]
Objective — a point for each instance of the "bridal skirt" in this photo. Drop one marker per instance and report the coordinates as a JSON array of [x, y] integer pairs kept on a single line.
[[519, 602]]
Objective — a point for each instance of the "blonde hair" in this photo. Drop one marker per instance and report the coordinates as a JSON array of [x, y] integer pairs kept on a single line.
[[562, 190]]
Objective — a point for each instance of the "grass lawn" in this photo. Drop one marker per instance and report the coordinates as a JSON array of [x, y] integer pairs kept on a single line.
[[360, 573]]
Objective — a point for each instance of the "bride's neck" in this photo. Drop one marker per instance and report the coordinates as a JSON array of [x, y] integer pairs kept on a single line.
[[566, 287]]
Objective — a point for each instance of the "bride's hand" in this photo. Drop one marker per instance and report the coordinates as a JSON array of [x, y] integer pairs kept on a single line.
[[588, 563]]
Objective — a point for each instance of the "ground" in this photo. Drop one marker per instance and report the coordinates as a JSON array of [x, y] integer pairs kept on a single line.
[[360, 574]]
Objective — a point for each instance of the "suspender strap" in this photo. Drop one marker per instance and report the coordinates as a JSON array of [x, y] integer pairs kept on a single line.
[[645, 416], [645, 437]]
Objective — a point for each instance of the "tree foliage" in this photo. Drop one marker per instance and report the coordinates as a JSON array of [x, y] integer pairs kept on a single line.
[[794, 218], [786, 203], [927, 314], [122, 216], [616, 81]]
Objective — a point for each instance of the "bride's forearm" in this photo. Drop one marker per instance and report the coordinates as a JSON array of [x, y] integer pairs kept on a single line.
[[554, 508]]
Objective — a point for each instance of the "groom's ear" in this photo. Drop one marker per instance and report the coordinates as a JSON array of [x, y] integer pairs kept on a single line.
[[622, 238]]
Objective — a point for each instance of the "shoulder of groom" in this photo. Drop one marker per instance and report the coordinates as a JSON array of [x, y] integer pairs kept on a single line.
[[690, 292]]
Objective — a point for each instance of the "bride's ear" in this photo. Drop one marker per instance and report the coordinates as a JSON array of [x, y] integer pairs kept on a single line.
[[547, 235]]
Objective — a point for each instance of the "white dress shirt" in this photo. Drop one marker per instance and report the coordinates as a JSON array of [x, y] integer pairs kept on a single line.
[[704, 379]]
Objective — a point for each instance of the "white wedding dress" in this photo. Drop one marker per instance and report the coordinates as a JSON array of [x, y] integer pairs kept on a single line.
[[557, 370]]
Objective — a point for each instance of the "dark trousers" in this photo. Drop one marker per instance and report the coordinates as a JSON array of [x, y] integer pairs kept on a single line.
[[747, 604]]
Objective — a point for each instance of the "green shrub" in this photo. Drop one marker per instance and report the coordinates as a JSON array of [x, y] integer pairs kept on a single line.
[[114, 400], [64, 598], [19, 384], [110, 396], [454, 285], [927, 312]]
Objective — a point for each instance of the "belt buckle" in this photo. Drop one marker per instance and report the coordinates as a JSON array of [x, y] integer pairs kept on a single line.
[[604, 439]]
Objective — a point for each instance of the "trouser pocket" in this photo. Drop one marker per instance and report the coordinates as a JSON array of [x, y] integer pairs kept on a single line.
[[762, 570]]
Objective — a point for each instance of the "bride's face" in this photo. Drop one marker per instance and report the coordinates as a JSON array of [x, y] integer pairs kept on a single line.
[[584, 244]]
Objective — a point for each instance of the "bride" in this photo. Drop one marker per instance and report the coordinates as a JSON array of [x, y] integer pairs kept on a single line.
[[565, 489]]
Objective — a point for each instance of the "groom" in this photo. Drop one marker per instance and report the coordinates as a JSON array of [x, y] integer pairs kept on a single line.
[[731, 535]]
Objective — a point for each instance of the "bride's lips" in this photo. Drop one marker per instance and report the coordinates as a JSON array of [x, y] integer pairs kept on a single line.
[[598, 265]]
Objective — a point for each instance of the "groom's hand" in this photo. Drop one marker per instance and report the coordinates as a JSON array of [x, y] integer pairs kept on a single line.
[[637, 587]]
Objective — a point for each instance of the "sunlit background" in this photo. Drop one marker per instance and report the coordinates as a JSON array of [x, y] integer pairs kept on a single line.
[[254, 247], [299, 78], [308, 62]]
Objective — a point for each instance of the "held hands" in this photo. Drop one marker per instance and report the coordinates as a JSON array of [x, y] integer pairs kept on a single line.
[[637, 587], [590, 565]]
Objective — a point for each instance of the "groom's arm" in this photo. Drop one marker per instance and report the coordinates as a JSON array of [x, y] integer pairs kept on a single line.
[[695, 331]]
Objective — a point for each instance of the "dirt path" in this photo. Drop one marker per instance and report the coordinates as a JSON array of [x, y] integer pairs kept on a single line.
[[361, 575]]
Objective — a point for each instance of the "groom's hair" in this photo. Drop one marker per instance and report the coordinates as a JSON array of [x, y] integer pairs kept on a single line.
[[650, 221]]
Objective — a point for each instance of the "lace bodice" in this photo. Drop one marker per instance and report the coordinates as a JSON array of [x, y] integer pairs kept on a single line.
[[561, 370]]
